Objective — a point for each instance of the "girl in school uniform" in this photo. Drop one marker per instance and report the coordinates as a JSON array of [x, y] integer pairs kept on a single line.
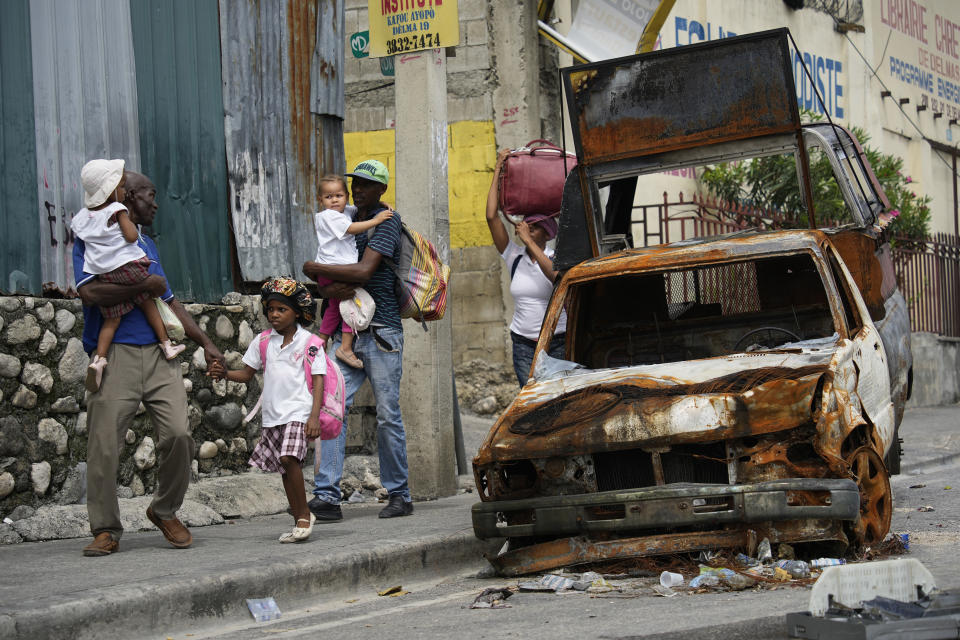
[[290, 410]]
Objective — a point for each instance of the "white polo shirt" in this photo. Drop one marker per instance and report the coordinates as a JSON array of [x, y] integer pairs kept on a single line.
[[285, 394], [531, 292]]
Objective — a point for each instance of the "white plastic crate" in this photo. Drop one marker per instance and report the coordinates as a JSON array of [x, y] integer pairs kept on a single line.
[[851, 584]]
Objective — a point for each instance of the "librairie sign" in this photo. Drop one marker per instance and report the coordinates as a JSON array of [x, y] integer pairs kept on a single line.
[[401, 26]]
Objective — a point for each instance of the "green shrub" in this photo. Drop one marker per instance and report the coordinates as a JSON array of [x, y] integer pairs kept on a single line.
[[771, 183]]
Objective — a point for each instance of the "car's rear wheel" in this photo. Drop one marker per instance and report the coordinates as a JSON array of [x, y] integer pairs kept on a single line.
[[876, 501]]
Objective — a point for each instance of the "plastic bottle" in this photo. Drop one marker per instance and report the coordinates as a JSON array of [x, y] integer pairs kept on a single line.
[[764, 554], [796, 568], [826, 562]]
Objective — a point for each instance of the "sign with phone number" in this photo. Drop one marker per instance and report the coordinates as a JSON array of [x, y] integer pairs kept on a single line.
[[402, 26]]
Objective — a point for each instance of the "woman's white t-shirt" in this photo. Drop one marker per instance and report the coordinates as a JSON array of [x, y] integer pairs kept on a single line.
[[105, 248], [286, 397], [334, 244], [531, 292]]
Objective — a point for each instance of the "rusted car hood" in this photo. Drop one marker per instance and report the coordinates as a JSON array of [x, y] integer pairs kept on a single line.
[[650, 406]]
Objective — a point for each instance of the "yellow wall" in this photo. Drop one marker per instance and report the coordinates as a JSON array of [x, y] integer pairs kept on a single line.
[[471, 155], [373, 145]]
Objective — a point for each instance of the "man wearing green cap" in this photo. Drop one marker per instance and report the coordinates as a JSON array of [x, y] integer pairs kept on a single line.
[[379, 347]]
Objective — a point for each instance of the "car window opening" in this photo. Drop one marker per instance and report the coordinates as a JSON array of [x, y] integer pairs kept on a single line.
[[700, 312]]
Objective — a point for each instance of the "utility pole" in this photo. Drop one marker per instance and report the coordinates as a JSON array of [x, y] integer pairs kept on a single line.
[[426, 390]]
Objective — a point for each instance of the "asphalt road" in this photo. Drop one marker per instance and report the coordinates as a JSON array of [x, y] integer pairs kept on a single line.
[[440, 608]]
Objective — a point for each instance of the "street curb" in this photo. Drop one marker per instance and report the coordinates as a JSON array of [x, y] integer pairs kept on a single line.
[[167, 606], [765, 627], [923, 465]]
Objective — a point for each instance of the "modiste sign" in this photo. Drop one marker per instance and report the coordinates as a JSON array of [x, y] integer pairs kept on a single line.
[[400, 26]]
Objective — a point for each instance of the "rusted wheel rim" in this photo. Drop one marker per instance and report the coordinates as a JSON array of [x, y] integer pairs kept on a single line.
[[876, 503]]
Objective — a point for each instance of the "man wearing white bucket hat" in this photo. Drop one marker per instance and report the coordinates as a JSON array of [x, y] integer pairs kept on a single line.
[[138, 372]]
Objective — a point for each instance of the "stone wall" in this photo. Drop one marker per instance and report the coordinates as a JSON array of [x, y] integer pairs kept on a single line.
[[936, 370], [43, 420]]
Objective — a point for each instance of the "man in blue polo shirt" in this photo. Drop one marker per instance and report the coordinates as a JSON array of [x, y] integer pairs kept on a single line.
[[138, 372], [380, 347]]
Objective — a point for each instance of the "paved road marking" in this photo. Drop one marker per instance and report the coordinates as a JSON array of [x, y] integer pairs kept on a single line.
[[283, 628], [296, 632]]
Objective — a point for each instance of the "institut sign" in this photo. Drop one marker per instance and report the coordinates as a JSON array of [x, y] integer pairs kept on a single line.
[[402, 26]]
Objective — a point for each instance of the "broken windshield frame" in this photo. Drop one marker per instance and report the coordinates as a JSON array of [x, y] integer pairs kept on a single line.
[[707, 310]]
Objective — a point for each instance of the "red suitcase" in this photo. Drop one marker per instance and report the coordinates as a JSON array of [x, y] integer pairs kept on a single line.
[[532, 177]]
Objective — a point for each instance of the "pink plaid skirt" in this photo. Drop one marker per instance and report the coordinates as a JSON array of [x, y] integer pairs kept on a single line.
[[129, 273], [283, 440]]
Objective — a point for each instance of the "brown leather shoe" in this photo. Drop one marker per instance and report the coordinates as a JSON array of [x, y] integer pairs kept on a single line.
[[102, 545], [173, 530]]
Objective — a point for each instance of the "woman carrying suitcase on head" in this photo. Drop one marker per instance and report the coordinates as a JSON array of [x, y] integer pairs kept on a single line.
[[531, 276]]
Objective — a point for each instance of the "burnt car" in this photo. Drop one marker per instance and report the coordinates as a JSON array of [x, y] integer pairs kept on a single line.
[[715, 391]]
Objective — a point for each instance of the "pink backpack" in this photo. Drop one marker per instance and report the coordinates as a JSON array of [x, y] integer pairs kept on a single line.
[[334, 395]]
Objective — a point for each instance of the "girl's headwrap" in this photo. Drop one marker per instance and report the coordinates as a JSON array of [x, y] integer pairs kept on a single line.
[[291, 293]]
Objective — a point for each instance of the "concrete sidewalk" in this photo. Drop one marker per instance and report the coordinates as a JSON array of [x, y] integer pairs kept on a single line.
[[52, 591]]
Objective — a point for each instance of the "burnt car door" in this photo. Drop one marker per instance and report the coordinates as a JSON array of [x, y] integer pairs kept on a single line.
[[869, 356], [865, 249]]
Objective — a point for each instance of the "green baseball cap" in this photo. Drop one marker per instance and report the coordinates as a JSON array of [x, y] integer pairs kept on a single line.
[[371, 170]]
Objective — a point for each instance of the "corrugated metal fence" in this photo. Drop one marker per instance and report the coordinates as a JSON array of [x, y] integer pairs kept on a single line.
[[19, 213], [274, 142], [181, 136], [85, 99], [234, 107]]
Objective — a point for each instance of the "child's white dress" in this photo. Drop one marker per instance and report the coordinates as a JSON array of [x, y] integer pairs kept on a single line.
[[334, 244]]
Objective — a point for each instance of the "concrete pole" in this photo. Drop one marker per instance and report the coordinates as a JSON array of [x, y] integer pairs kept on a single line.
[[516, 50], [426, 390], [516, 98]]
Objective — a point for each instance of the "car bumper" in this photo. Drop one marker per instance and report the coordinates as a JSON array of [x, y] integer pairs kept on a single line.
[[668, 507]]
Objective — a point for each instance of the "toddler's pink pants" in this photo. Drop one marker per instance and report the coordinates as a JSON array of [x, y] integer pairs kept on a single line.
[[331, 317]]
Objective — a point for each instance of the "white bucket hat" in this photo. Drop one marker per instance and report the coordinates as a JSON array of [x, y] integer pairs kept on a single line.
[[99, 179], [358, 310]]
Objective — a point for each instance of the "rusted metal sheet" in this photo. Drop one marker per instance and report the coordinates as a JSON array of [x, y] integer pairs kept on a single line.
[[277, 146], [720, 91], [85, 101], [574, 551], [655, 409], [326, 86], [568, 552]]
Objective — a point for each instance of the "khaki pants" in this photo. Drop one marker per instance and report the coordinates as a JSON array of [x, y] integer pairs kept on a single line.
[[137, 374]]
